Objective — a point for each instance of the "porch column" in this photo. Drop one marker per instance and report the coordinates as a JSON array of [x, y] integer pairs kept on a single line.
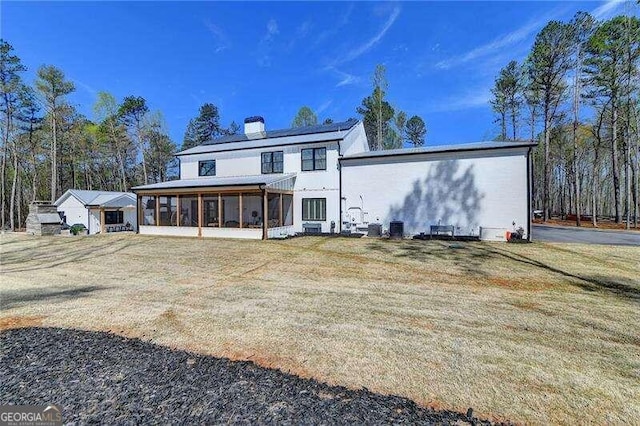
[[178, 208], [157, 210], [200, 214], [265, 215], [219, 210], [240, 209], [280, 218], [102, 217]]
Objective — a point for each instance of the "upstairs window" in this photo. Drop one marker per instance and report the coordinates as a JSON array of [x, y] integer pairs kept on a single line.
[[314, 159], [272, 162], [207, 168]]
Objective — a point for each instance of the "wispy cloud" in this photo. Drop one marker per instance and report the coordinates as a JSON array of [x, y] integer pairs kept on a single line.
[[498, 44], [345, 79], [476, 98], [86, 87], [342, 20], [301, 33], [607, 9], [221, 38], [303, 29], [369, 44], [323, 107], [272, 29], [266, 43]]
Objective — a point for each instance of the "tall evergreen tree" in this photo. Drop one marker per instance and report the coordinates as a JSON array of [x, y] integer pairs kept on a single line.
[[204, 127], [416, 131], [611, 61], [112, 130], [507, 98], [233, 128], [190, 138], [53, 86], [305, 117], [376, 112], [132, 113], [207, 124], [10, 86], [550, 60], [582, 27]]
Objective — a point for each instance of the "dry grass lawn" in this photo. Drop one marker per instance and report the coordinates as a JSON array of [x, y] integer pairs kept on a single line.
[[539, 333]]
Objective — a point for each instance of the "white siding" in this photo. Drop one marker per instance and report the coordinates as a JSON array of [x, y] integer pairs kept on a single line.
[[466, 189], [245, 233], [94, 221], [309, 184], [183, 231], [75, 211], [355, 142], [131, 216], [178, 231]]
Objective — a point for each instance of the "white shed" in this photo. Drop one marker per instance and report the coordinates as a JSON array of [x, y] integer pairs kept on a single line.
[[99, 211], [480, 189]]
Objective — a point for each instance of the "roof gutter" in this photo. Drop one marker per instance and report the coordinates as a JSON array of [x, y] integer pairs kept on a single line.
[[404, 154], [335, 138]]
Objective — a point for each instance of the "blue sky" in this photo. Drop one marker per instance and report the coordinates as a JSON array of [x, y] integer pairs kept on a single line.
[[271, 58]]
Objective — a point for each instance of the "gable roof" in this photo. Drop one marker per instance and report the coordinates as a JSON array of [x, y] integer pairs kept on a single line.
[[99, 198], [317, 133]]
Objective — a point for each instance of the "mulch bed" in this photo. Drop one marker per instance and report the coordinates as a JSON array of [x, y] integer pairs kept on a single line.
[[104, 378]]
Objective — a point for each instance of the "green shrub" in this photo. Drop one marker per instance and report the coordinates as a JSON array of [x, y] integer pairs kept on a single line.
[[77, 228]]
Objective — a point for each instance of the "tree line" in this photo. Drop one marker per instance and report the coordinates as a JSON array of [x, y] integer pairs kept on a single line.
[[48, 146], [386, 127], [577, 93]]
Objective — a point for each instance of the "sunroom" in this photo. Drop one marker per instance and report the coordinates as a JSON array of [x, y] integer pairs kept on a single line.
[[255, 207]]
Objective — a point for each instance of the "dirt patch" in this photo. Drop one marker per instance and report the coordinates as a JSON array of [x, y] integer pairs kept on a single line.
[[266, 359], [526, 305], [8, 323]]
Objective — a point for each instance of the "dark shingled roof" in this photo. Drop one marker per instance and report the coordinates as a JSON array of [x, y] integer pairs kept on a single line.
[[297, 131]]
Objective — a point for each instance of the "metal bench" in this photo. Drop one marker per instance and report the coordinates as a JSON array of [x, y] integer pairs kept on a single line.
[[312, 228], [441, 230]]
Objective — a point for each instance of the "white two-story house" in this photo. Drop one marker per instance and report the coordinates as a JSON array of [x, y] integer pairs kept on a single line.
[[266, 184], [257, 184]]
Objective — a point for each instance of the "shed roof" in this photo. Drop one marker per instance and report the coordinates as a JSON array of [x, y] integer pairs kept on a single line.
[[307, 134], [476, 146], [218, 181]]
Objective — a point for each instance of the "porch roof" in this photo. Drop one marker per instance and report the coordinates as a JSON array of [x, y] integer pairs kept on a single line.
[[206, 182], [117, 202]]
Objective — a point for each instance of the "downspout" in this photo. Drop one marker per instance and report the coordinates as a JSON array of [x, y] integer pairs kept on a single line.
[[529, 194], [339, 189], [265, 232]]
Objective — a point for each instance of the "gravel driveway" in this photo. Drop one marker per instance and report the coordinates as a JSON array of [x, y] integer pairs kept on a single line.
[[103, 378]]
